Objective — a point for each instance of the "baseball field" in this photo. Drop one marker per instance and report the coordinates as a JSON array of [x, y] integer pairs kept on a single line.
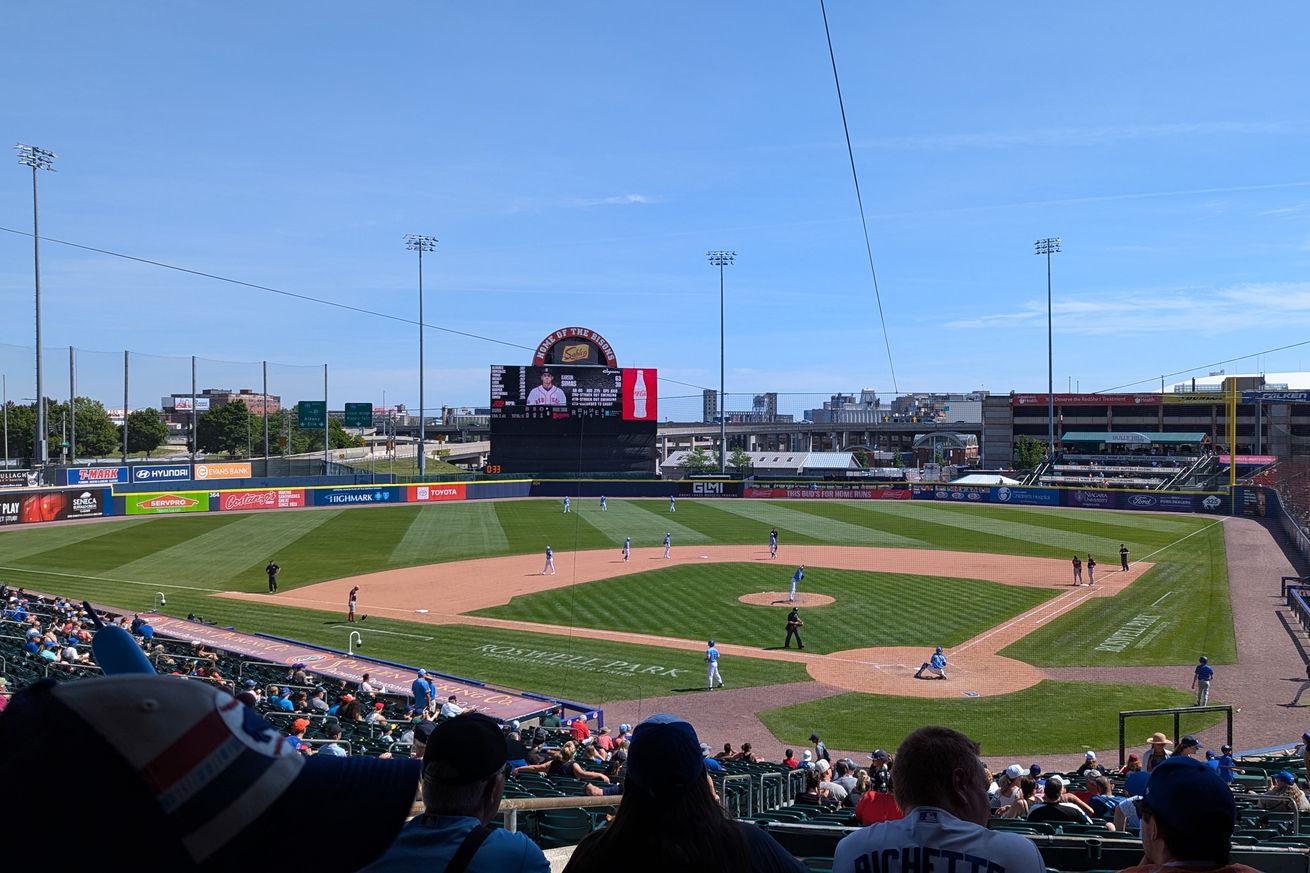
[[458, 587]]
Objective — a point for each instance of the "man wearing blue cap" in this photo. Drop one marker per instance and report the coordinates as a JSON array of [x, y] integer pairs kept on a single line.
[[1187, 818], [1201, 680], [423, 689]]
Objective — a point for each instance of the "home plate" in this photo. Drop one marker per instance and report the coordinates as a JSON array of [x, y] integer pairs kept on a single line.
[[421, 611]]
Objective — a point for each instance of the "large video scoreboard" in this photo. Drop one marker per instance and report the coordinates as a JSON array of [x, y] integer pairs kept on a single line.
[[570, 419]]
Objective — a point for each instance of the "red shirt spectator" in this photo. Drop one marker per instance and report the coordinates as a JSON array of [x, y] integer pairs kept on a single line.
[[877, 806], [790, 761], [579, 730]]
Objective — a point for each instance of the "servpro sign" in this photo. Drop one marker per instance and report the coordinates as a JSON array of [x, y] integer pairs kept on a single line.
[[167, 503]]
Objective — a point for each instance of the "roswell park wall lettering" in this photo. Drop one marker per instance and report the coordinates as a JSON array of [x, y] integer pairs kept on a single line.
[[575, 662], [1129, 633]]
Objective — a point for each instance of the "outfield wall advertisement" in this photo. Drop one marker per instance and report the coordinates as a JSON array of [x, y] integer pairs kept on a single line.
[[39, 507], [261, 498], [166, 503], [829, 492], [368, 495], [434, 493]]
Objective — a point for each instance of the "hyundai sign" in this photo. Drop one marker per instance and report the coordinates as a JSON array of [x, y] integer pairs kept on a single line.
[[161, 472]]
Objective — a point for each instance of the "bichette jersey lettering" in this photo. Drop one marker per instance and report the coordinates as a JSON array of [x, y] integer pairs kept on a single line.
[[931, 839]]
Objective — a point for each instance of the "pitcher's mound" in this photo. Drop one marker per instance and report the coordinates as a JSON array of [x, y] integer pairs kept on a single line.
[[779, 598]]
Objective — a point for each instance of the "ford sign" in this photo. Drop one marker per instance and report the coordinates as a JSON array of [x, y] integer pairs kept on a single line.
[[1141, 500]]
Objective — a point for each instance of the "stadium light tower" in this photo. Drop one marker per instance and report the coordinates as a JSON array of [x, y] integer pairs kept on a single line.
[[722, 259], [1048, 247], [37, 159], [416, 242]]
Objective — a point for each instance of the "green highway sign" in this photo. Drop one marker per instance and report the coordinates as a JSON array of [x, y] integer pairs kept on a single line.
[[359, 415], [311, 414]]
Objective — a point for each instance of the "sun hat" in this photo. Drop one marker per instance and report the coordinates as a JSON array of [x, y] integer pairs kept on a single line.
[[1159, 739]]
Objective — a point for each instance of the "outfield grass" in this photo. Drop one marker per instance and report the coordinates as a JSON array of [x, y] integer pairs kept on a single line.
[[1179, 610], [122, 562], [1051, 717], [698, 602]]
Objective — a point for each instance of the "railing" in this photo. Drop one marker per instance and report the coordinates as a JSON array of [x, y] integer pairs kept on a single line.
[[1177, 712], [510, 807], [795, 783], [1288, 801], [728, 799], [767, 798]]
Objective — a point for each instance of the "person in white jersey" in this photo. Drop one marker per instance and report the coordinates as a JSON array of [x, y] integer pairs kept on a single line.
[[939, 782], [550, 562]]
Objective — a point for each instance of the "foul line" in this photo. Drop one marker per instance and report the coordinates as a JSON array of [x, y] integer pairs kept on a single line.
[[107, 579], [1179, 540], [1162, 597], [1026, 616], [355, 627]]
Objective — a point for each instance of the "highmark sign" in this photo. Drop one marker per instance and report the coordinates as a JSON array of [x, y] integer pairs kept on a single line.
[[575, 662]]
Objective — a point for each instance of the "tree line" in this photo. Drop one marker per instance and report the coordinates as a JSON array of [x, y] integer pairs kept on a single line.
[[230, 429]]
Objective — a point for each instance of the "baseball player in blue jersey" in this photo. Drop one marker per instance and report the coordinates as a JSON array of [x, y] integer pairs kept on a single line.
[[668, 544], [1201, 681], [627, 549], [603, 508], [566, 503], [712, 658], [550, 562], [796, 579], [673, 503], [773, 543], [936, 666]]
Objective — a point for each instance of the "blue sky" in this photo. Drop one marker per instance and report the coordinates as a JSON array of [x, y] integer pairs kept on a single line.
[[577, 160]]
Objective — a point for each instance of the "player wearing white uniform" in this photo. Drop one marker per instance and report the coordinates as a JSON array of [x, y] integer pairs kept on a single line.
[[938, 780], [773, 543], [547, 393], [712, 658], [796, 579], [566, 503], [668, 544], [603, 508], [673, 503], [550, 562], [627, 549]]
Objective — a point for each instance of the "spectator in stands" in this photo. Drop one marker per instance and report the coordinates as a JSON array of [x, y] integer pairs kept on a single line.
[[1227, 766], [748, 754], [1289, 795], [1188, 747], [49, 652], [332, 732], [863, 785], [1089, 763], [670, 818], [875, 807], [553, 718], [350, 709], [1007, 784], [712, 764], [1187, 820], [368, 686], [377, 715], [1156, 753], [423, 689], [845, 778], [727, 754], [1102, 799], [836, 792], [1133, 764], [464, 772], [318, 702], [296, 739], [580, 730], [300, 702], [604, 740], [789, 760], [561, 763], [451, 707], [940, 786], [1058, 805], [820, 750], [807, 760], [1026, 796]]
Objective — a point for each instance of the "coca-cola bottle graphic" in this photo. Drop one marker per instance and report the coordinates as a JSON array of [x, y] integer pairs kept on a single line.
[[639, 395]]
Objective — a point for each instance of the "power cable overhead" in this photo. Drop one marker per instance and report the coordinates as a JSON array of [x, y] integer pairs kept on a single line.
[[859, 199]]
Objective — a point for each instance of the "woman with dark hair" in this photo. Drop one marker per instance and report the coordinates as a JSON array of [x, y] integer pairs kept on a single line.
[[350, 709], [670, 817]]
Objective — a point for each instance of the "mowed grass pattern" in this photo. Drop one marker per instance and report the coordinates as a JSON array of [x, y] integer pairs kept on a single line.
[[1053, 724], [700, 602]]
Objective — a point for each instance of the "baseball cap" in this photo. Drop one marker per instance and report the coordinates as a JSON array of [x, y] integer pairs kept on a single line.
[[705, 749], [545, 371], [665, 757], [880, 755], [1055, 779], [806, 755], [300, 724], [464, 749], [1285, 776], [1035, 770], [711, 642], [1187, 742], [379, 706], [1089, 755], [1092, 774], [249, 683], [1014, 771], [822, 766], [1225, 748], [814, 738], [1133, 757], [1190, 797], [422, 672], [191, 777]]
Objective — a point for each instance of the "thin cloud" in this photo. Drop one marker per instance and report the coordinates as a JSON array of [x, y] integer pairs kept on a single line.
[[618, 200], [1200, 311], [1074, 136]]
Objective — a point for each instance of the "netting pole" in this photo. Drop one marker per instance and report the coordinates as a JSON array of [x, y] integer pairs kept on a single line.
[[325, 421], [72, 406], [265, 418], [125, 409], [194, 421]]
